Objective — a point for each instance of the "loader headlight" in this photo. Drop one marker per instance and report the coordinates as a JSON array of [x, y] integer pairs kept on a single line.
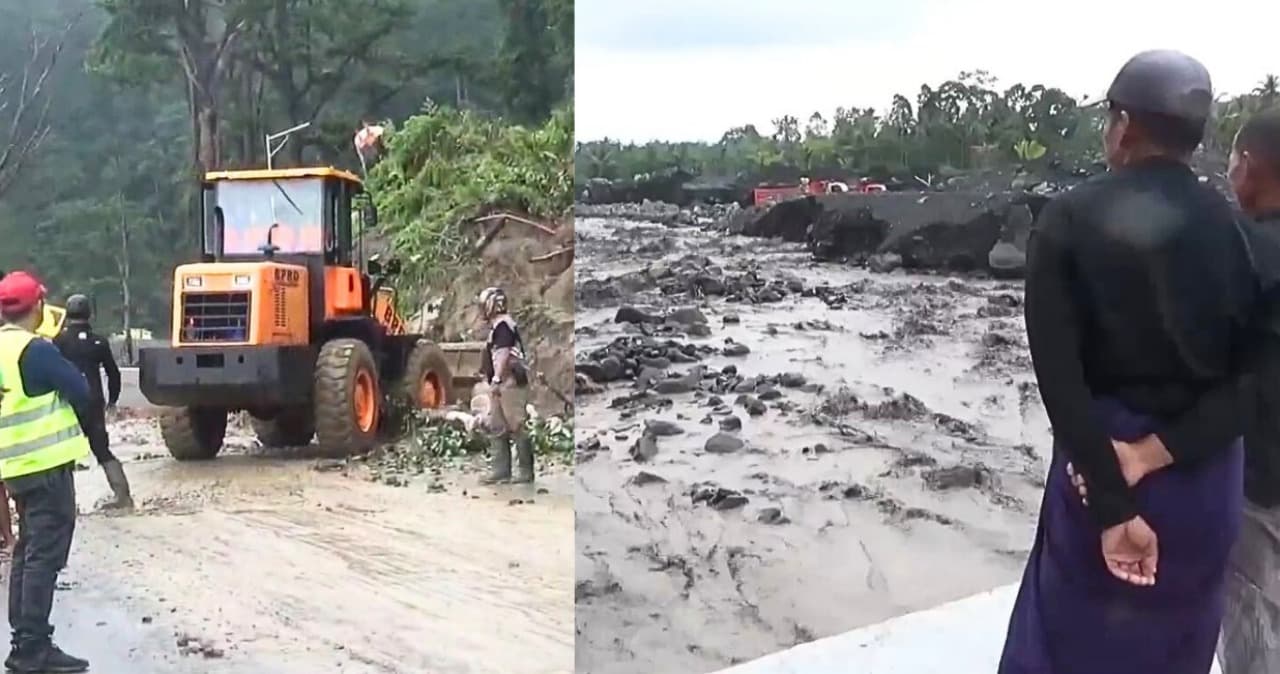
[[194, 282], [241, 280]]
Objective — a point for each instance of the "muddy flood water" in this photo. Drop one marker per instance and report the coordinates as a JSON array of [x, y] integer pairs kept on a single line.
[[277, 562], [783, 450]]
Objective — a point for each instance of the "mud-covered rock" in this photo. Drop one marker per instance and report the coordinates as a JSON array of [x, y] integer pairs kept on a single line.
[[957, 477], [661, 427], [716, 496], [956, 231], [723, 443], [644, 449], [772, 516], [625, 357]]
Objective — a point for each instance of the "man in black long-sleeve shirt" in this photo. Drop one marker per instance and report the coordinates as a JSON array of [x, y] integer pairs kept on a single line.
[[1252, 617], [1140, 290], [91, 352]]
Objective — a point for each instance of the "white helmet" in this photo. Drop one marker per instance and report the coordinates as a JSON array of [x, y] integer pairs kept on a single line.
[[493, 301]]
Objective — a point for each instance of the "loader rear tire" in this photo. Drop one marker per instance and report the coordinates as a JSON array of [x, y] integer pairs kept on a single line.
[[427, 383], [290, 427], [193, 433], [348, 397]]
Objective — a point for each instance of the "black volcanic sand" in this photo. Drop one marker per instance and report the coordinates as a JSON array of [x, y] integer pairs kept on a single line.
[[772, 450]]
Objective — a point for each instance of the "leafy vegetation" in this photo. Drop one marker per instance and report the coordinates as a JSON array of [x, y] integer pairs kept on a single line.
[[444, 167], [965, 123], [431, 443], [552, 438], [138, 97]]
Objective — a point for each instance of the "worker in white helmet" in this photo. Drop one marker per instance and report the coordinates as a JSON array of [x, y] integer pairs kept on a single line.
[[505, 367]]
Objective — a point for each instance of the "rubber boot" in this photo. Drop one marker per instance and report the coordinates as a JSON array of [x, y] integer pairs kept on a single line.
[[499, 460], [524, 459], [119, 486]]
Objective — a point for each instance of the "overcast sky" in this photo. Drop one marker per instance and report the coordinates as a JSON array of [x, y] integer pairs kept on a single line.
[[690, 69]]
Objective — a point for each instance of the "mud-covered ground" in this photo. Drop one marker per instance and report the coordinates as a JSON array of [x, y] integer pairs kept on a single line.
[[772, 450], [283, 563]]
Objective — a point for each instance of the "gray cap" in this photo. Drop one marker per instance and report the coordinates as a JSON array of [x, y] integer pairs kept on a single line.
[[1165, 82]]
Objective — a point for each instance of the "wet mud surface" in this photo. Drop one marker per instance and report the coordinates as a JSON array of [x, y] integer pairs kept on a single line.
[[773, 450], [271, 562]]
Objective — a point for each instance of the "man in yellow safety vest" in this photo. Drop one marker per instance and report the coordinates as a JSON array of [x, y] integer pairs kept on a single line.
[[40, 442]]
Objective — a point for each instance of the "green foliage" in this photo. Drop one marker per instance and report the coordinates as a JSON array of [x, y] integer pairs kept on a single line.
[[1029, 149], [965, 123], [448, 441], [536, 59], [126, 133], [552, 437], [444, 167]]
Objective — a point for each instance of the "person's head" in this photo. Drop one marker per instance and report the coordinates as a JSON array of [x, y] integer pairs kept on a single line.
[[1254, 168], [79, 308], [493, 302], [1158, 106], [22, 300]]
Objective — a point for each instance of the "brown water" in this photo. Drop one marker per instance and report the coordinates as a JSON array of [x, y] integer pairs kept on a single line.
[[666, 585]]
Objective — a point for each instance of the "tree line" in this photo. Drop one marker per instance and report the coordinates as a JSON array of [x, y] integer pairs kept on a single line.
[[113, 108], [962, 124]]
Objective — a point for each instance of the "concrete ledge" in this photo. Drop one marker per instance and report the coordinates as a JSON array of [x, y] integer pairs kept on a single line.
[[962, 637]]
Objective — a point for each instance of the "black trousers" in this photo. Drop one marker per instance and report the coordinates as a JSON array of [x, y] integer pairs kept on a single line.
[[94, 426], [46, 505]]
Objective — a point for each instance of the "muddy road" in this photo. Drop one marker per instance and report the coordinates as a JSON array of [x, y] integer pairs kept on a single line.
[[284, 563], [772, 450]]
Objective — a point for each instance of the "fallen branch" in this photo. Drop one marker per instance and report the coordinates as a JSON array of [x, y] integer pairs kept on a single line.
[[510, 216], [554, 253], [568, 402]]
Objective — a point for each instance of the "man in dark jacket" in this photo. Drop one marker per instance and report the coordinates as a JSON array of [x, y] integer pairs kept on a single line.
[[1140, 295], [92, 354], [1251, 622]]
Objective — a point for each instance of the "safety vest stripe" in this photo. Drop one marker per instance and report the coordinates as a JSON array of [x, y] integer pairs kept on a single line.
[[39, 443], [19, 418]]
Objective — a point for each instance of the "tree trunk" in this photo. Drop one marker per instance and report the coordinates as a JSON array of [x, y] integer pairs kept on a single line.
[[126, 306]]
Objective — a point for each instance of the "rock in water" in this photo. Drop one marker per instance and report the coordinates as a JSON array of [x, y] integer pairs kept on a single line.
[[659, 428], [723, 443], [645, 448]]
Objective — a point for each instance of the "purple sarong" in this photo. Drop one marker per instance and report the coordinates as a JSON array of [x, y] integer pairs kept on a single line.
[[1073, 617]]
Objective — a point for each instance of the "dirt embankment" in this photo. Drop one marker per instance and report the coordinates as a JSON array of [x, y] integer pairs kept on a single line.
[[535, 267], [773, 449]]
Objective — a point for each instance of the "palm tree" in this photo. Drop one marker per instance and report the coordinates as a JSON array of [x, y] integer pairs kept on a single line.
[[1268, 90]]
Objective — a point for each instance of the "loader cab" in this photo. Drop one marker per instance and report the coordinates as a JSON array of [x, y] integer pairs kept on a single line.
[[295, 214], [289, 231]]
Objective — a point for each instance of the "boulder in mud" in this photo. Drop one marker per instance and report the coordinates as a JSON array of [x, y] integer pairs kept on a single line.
[[772, 516], [633, 315], [644, 477], [661, 428], [955, 231], [723, 443], [687, 316], [645, 448], [787, 220], [957, 477], [716, 496]]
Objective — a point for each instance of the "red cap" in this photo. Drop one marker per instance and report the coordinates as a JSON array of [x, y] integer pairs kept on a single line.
[[19, 292]]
